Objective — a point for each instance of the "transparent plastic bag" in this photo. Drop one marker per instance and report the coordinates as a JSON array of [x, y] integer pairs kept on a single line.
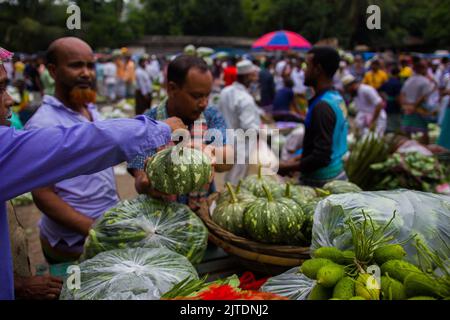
[[129, 274], [292, 284], [148, 223], [426, 215]]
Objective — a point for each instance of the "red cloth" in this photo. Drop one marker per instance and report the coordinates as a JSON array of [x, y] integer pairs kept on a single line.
[[229, 75], [249, 282]]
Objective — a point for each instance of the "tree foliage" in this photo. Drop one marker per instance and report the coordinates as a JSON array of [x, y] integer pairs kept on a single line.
[[30, 25]]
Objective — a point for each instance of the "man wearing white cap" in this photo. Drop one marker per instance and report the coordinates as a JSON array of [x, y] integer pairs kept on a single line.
[[371, 115], [240, 110]]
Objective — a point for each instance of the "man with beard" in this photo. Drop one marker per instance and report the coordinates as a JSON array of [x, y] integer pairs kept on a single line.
[[70, 207], [325, 142], [42, 157]]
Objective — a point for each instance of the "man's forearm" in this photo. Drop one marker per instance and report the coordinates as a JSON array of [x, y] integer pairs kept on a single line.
[[55, 208], [72, 151], [377, 112]]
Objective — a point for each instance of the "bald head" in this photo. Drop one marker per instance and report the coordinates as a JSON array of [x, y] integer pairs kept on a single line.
[[71, 63], [62, 47]]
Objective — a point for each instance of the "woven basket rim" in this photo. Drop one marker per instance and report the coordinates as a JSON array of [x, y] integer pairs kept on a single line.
[[246, 244]]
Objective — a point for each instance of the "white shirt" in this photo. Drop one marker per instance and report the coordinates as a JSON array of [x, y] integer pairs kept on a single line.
[[298, 76], [367, 99], [153, 69], [110, 73], [239, 108], [337, 79], [279, 68], [433, 99], [416, 87], [143, 82]]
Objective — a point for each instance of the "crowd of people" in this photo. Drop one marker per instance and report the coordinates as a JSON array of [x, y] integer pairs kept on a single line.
[[389, 94], [65, 153]]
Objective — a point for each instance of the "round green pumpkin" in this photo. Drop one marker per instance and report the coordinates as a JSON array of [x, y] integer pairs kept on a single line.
[[241, 194], [179, 170], [229, 213], [303, 193], [275, 221], [337, 187], [255, 183]]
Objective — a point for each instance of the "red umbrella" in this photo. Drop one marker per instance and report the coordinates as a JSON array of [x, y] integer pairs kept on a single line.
[[282, 40]]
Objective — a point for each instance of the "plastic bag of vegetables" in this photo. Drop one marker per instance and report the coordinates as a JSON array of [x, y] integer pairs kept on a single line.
[[130, 274], [148, 223], [425, 215], [291, 284]]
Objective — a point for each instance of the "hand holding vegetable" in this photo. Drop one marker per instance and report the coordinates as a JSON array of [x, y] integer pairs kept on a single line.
[[175, 123], [143, 186]]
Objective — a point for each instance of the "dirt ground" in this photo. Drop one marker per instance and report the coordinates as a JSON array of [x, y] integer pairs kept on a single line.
[[29, 215]]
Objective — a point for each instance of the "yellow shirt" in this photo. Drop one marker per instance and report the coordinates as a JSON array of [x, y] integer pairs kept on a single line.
[[375, 80], [406, 72]]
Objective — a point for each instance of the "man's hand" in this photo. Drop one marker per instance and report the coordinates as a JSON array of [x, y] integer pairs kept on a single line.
[[38, 288], [408, 108], [287, 166], [175, 123], [144, 186]]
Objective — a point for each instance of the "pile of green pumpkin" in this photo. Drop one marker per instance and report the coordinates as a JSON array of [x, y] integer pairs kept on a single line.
[[264, 210]]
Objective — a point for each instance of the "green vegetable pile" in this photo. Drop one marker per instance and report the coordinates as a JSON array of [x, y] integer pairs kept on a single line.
[[261, 209], [364, 153], [349, 275], [410, 171], [148, 223]]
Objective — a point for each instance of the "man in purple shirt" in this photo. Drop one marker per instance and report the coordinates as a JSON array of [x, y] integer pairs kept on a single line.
[[70, 207], [42, 157]]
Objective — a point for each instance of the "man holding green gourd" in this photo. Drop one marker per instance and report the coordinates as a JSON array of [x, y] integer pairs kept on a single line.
[[189, 84]]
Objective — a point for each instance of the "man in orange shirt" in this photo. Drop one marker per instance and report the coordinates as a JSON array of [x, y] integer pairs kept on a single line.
[[126, 75], [376, 77]]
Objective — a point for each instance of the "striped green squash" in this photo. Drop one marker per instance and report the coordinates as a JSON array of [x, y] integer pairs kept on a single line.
[[299, 194], [275, 221], [255, 183], [241, 193], [229, 214], [338, 187], [179, 170]]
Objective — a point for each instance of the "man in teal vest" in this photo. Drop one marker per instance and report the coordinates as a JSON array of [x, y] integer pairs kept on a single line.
[[325, 141]]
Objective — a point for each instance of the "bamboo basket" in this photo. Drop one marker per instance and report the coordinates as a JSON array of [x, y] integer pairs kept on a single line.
[[259, 257]]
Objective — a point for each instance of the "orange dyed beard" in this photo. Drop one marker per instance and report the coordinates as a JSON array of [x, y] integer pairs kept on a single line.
[[82, 97]]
